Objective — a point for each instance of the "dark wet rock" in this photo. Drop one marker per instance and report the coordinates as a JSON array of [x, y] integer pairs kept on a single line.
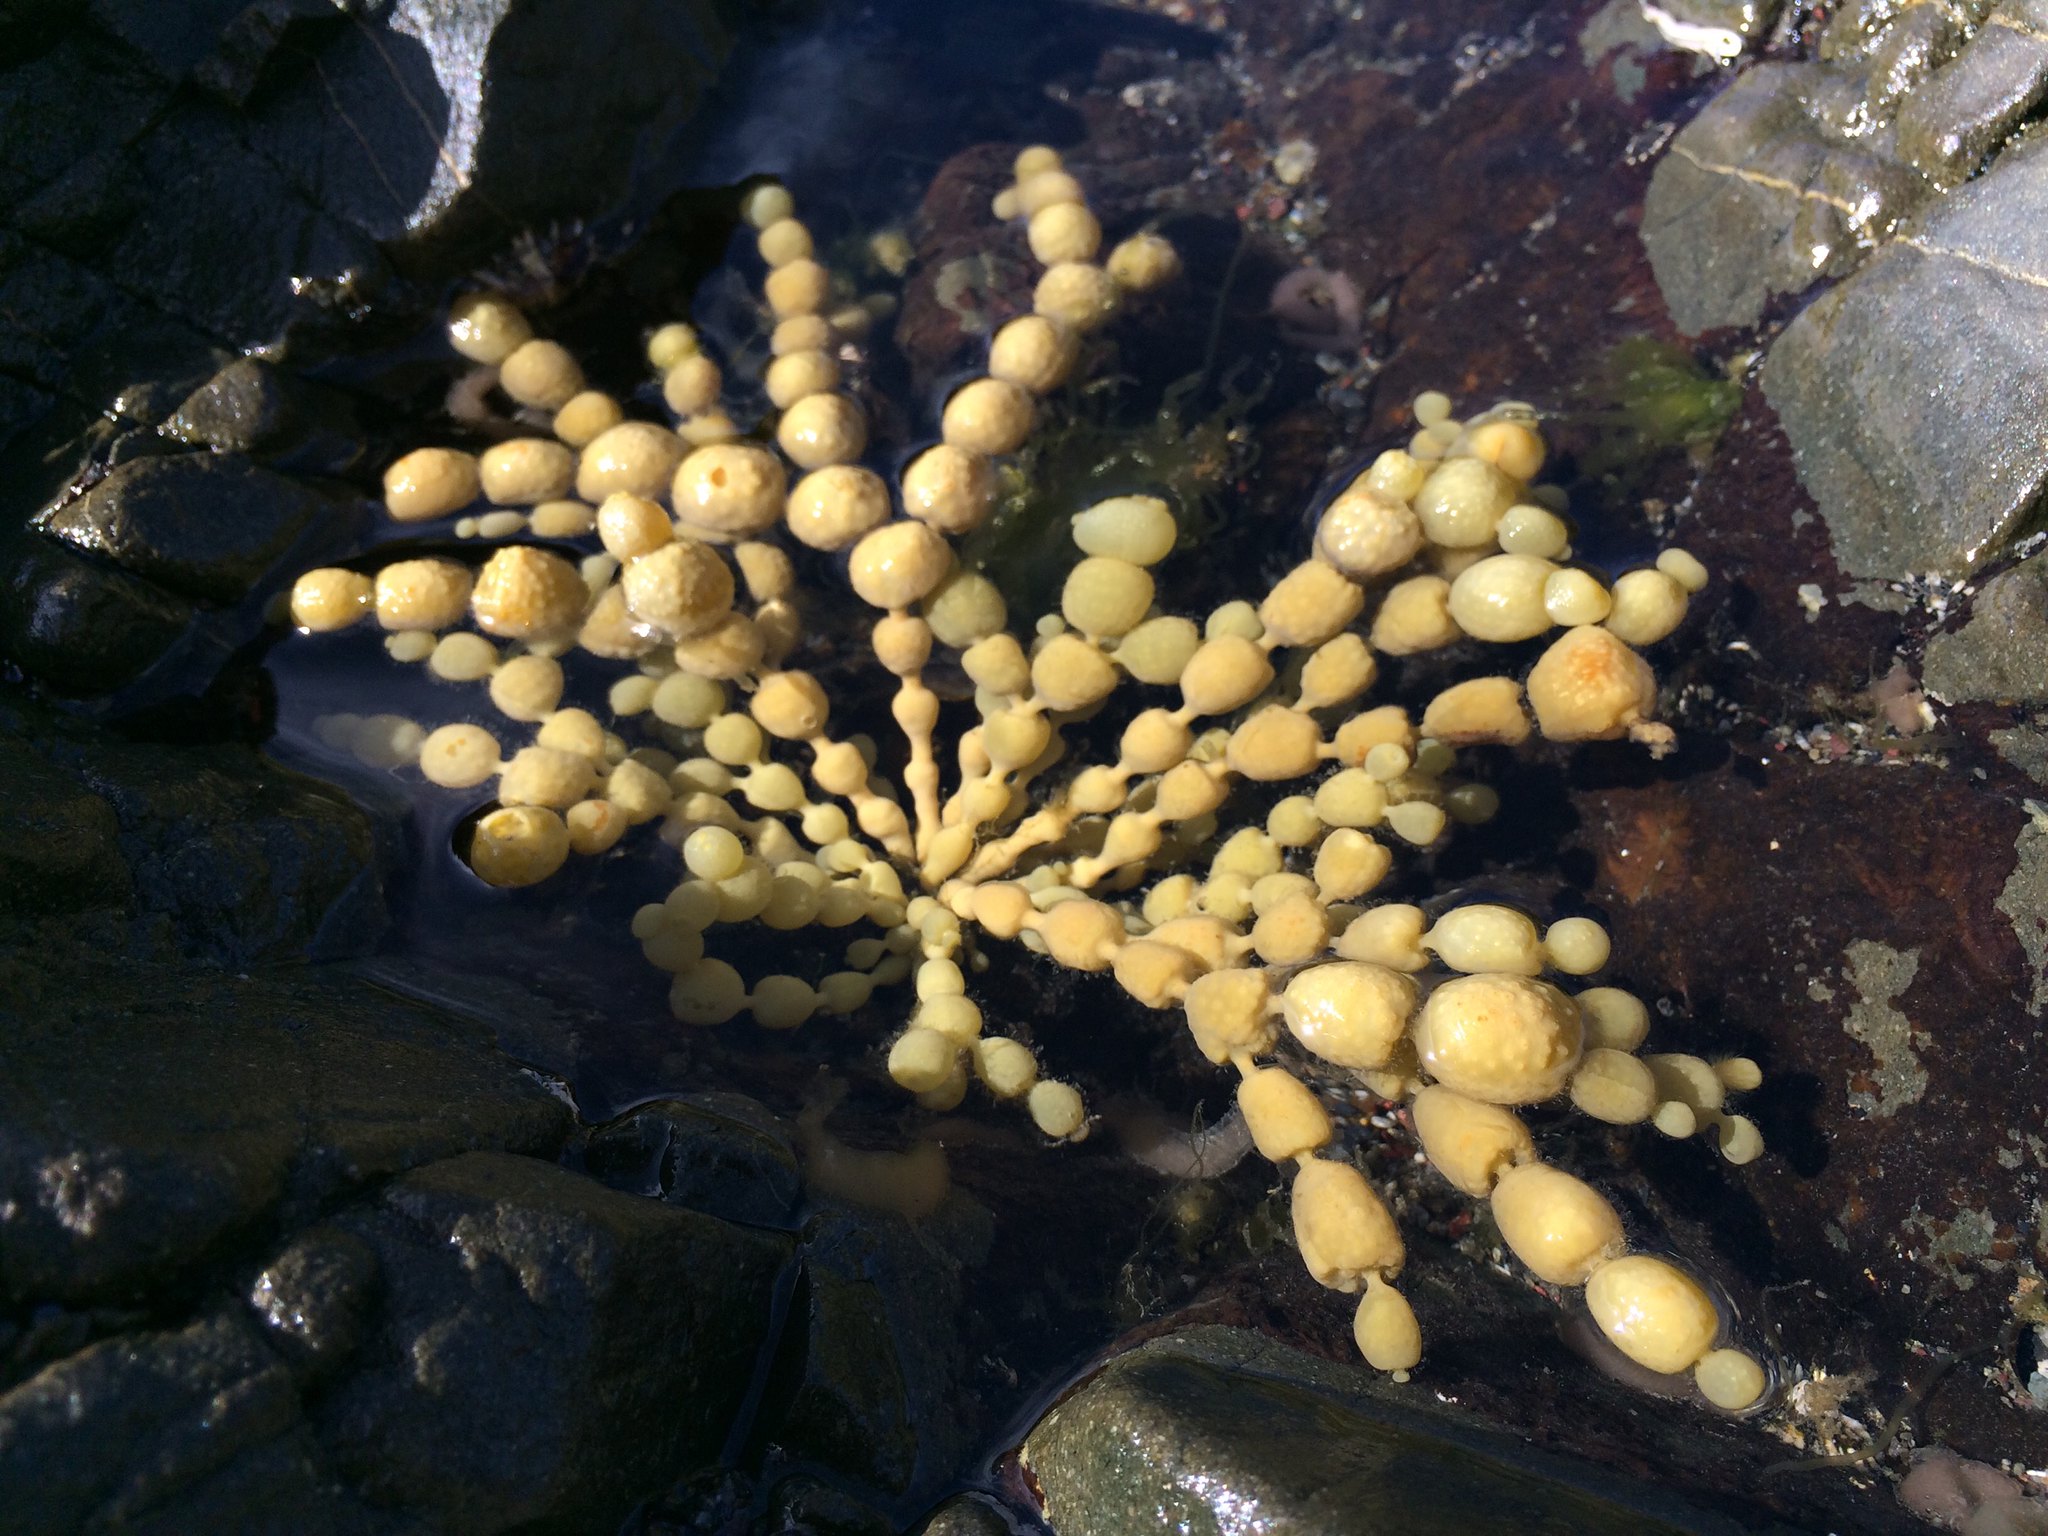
[[251, 407], [318, 141], [2000, 654], [242, 408], [965, 1516], [1756, 198], [1913, 392], [79, 626], [203, 525], [1188, 1432], [877, 1370], [314, 1298], [719, 1154], [547, 1350], [151, 1120], [816, 1508], [848, 1410], [501, 115], [59, 841], [195, 1429], [1970, 105], [228, 859]]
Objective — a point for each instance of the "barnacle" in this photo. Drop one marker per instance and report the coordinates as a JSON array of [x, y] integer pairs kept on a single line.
[[1258, 929]]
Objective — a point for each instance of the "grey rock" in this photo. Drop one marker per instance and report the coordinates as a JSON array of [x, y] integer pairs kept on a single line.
[[549, 1351], [196, 1429], [1913, 392], [314, 1298], [2000, 655], [717, 1153], [2026, 748], [81, 627], [206, 526], [1756, 198], [1189, 1432], [1971, 104], [152, 1121]]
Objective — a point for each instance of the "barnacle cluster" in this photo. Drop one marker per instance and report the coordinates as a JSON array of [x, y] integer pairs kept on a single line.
[[1258, 927]]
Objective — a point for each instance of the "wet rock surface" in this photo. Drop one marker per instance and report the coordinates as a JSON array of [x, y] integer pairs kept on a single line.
[[1951, 312], [1755, 173], [186, 1429], [597, 1343], [1996, 655], [202, 526], [1211, 1427], [316, 151], [80, 627], [142, 1144], [717, 1153], [208, 852], [1880, 159]]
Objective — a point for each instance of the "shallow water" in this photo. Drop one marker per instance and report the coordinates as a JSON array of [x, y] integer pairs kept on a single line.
[[857, 118]]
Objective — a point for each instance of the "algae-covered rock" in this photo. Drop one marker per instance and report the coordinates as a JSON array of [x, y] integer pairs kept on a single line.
[[1914, 392]]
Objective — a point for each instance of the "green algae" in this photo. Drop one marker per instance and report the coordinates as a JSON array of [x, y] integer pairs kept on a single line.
[[1087, 449], [1648, 398]]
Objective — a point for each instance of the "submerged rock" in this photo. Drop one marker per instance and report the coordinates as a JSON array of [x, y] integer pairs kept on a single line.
[[225, 858], [716, 1153]]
